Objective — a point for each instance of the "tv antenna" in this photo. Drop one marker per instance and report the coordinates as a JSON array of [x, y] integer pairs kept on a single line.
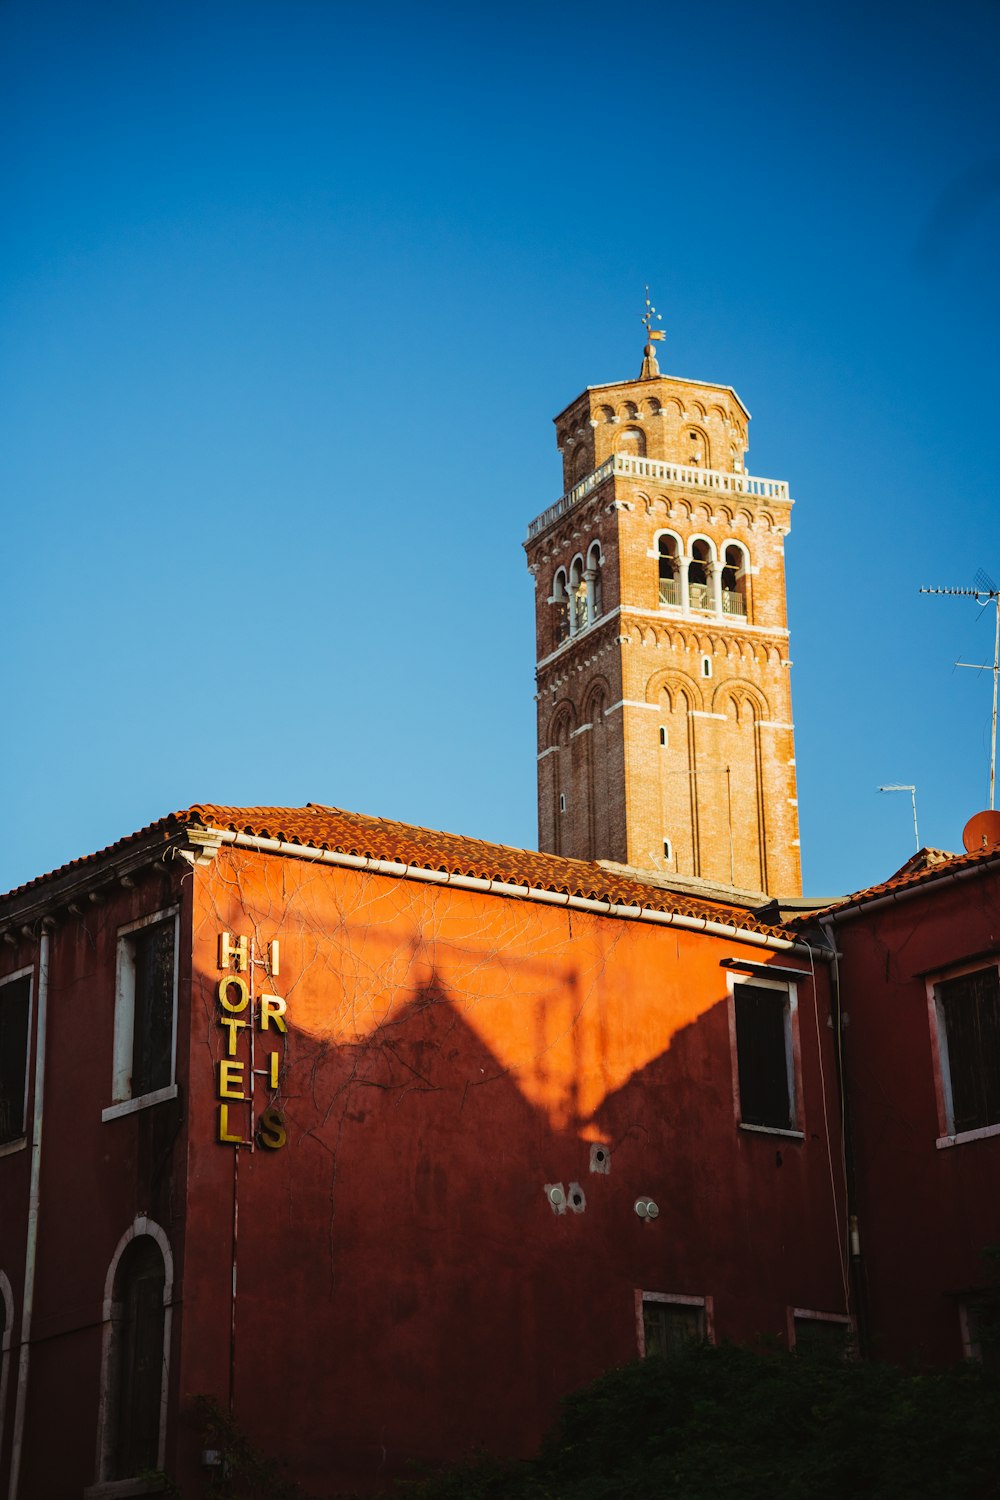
[[898, 787], [985, 592]]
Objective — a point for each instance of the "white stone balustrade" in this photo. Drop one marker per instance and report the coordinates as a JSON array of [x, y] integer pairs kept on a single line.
[[662, 473]]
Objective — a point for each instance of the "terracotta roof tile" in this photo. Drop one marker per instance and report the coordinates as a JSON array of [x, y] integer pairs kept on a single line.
[[926, 873], [319, 827]]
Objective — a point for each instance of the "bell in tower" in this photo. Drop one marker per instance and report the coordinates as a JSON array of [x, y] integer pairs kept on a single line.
[[665, 738]]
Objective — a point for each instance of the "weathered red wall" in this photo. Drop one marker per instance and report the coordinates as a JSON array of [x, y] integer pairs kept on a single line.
[[404, 1289], [95, 1178], [926, 1214]]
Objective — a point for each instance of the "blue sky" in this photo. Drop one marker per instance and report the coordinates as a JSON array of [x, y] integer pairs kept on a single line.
[[289, 295]]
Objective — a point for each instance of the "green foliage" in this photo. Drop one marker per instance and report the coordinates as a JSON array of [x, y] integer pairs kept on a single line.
[[734, 1424], [245, 1474]]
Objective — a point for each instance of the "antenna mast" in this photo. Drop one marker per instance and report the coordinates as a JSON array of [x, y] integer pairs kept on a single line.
[[985, 591], [899, 787]]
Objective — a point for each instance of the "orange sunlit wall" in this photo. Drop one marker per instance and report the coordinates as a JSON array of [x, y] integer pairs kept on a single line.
[[405, 1288]]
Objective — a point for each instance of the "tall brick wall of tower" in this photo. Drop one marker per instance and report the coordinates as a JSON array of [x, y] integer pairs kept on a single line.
[[665, 736]]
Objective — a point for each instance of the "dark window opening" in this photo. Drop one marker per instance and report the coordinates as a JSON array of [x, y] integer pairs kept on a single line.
[[669, 568], [668, 1327], [699, 587], [15, 1001], [763, 1057], [971, 1007], [734, 582], [153, 1013], [822, 1338], [981, 1316], [136, 1360]]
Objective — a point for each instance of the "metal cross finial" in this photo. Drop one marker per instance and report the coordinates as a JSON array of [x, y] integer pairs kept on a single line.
[[647, 319]]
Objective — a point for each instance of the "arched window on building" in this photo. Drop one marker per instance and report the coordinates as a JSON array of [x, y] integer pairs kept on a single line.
[[579, 465], [560, 604], [734, 581], [670, 570], [6, 1334], [697, 446], [577, 597], [699, 576], [633, 441], [131, 1443], [592, 577]]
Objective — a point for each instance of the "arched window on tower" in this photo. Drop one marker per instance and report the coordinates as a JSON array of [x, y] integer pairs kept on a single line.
[[633, 441], [592, 577], [580, 465], [670, 570], [135, 1372], [560, 603], [699, 576], [734, 581], [577, 597], [697, 446]]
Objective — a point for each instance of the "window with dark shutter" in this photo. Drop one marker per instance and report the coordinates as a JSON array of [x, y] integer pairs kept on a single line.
[[822, 1338], [15, 1005], [153, 1024], [762, 1052], [971, 1009], [668, 1327]]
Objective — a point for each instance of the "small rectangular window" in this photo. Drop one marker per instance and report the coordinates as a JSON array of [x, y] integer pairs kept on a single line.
[[15, 1018], [668, 852], [562, 801], [670, 1324], [764, 1056], [663, 734], [822, 1335], [980, 1326], [145, 1010], [969, 1038]]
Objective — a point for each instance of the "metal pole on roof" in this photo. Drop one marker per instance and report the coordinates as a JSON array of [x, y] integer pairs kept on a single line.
[[985, 591], [897, 787]]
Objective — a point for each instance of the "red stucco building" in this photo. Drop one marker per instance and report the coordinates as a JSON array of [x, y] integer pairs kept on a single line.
[[387, 1140], [919, 980]]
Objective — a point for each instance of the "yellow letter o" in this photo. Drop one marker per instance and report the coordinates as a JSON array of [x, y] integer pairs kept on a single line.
[[240, 984]]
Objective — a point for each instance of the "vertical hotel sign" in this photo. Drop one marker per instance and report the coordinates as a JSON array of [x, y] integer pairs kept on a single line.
[[254, 1037]]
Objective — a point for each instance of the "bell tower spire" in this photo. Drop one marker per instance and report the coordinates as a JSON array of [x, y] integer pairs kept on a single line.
[[665, 737]]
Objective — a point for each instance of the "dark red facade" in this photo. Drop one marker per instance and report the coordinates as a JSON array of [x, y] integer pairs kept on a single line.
[[927, 1209]]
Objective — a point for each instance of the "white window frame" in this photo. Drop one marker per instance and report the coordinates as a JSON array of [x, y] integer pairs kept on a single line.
[[947, 1135], [123, 1102], [20, 1141], [103, 1487], [706, 1304], [793, 1054], [7, 1296]]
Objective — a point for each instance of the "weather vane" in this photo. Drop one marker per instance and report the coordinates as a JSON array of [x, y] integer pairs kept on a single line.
[[647, 319], [650, 369]]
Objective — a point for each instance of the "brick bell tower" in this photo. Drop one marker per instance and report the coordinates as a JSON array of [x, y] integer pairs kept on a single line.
[[665, 735]]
